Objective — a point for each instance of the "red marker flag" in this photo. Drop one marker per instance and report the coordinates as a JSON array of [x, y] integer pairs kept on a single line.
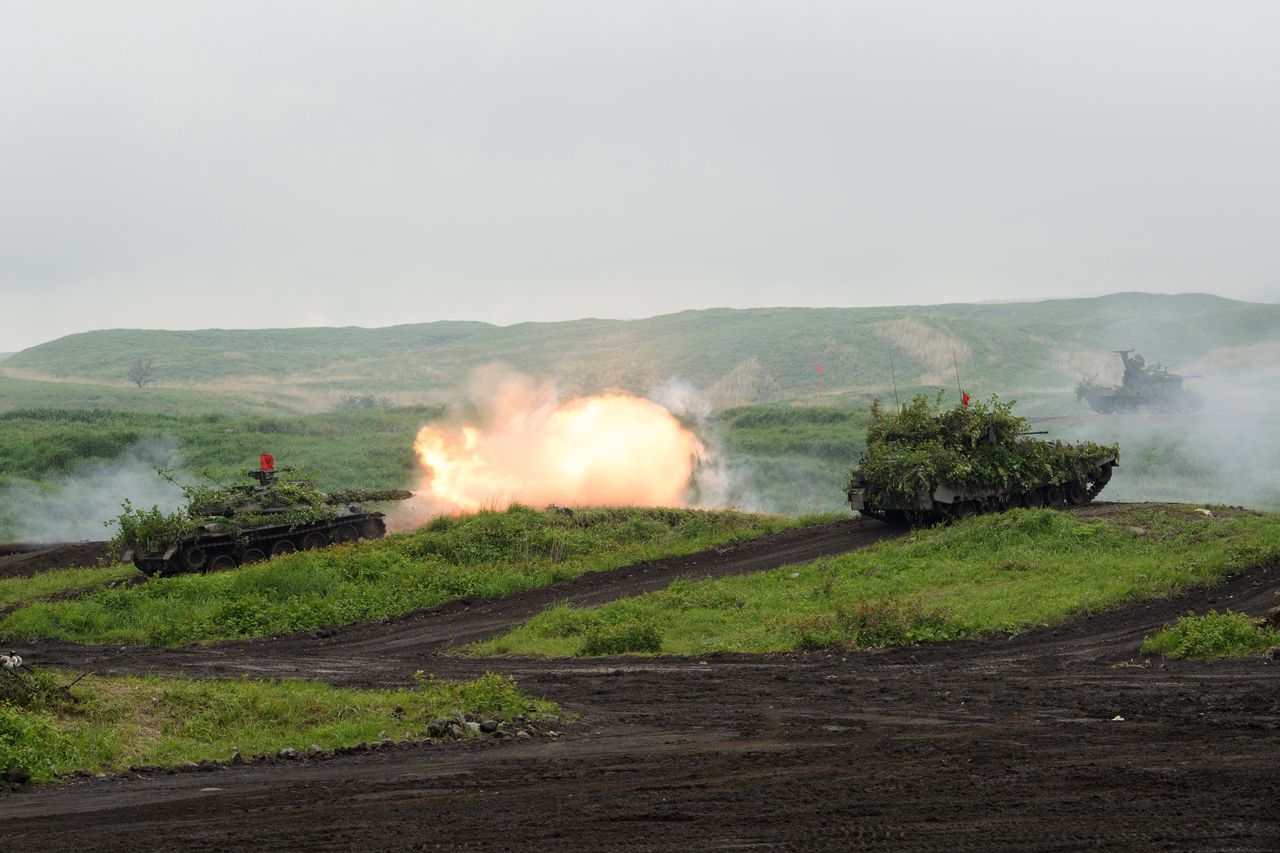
[[268, 462], [820, 367], [964, 398]]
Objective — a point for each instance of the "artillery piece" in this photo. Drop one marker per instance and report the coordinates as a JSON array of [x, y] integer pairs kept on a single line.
[[925, 465], [1145, 386], [224, 528]]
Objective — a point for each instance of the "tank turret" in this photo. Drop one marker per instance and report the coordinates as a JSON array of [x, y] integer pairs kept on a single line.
[[221, 528], [925, 464], [1145, 387]]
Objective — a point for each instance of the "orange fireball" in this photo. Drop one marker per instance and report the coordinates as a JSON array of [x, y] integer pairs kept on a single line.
[[612, 449]]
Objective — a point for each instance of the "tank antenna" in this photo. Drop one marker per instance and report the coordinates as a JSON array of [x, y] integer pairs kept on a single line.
[[894, 376], [959, 390]]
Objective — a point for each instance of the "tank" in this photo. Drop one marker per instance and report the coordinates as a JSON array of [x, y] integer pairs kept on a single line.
[[228, 527], [926, 464], [1145, 387]]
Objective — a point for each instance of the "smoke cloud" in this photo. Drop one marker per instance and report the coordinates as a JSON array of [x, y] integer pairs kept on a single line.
[[75, 506], [1228, 452]]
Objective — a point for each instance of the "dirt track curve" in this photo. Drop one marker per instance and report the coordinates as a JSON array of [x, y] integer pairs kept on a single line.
[[1009, 743]]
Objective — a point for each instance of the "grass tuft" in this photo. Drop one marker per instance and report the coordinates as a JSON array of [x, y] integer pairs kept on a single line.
[[1213, 635]]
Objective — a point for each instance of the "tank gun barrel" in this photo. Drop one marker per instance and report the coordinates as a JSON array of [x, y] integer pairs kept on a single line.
[[350, 496], [1035, 432]]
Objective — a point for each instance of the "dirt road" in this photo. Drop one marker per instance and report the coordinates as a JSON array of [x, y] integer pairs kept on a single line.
[[1009, 743]]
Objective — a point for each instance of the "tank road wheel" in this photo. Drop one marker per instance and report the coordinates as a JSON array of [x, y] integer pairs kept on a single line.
[[282, 547], [313, 540], [373, 528], [1054, 497], [1077, 494], [222, 562], [1031, 499], [963, 510], [346, 533], [195, 557], [253, 555]]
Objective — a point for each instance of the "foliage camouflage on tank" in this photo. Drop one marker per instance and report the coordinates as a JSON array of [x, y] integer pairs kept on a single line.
[[926, 464], [1149, 387], [221, 528]]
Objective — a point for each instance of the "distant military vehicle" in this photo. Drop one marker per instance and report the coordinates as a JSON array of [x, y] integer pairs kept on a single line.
[[925, 464], [223, 528], [1145, 387]]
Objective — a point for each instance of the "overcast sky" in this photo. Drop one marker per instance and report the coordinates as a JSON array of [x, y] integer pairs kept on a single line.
[[187, 165]]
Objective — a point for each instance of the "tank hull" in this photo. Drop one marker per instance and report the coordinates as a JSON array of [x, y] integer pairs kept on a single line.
[[220, 546], [1118, 401], [945, 503]]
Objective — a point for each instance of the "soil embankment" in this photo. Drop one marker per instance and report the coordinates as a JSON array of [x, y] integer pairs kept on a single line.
[[23, 559]]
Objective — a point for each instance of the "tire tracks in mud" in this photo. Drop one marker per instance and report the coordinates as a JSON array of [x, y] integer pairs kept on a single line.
[[389, 645]]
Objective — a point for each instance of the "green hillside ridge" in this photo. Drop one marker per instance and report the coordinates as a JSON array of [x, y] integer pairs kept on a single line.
[[735, 356]]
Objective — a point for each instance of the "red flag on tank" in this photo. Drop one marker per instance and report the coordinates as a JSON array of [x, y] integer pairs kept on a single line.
[[268, 462], [964, 398]]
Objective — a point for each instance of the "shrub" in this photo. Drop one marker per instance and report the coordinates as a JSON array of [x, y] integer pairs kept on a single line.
[[870, 624], [1213, 635], [633, 635], [30, 743]]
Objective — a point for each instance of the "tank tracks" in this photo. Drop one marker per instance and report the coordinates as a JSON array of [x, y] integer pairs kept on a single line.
[[221, 551]]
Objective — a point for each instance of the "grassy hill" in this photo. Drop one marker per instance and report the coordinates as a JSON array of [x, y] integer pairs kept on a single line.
[[1036, 350]]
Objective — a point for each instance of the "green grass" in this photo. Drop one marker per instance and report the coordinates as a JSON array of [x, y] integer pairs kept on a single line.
[[810, 431], [19, 393], [1213, 635], [988, 574], [359, 448], [109, 724], [38, 443], [483, 555], [15, 592]]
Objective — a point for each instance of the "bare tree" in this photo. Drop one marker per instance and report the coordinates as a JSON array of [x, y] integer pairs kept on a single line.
[[140, 373]]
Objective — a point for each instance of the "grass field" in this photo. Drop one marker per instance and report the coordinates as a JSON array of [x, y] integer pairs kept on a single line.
[[352, 449], [108, 724], [15, 592], [988, 574], [65, 472], [18, 393], [483, 555]]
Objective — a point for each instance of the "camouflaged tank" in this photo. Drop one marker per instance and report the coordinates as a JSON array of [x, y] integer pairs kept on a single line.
[[1145, 387], [925, 464], [224, 528]]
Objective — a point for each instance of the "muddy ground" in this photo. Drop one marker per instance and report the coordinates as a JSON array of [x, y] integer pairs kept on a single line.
[[22, 559], [1007, 743]]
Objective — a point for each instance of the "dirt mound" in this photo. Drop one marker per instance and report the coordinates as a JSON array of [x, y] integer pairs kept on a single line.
[[18, 560]]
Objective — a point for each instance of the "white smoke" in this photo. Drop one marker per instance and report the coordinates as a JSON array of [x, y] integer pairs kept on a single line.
[[76, 506], [1228, 452]]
